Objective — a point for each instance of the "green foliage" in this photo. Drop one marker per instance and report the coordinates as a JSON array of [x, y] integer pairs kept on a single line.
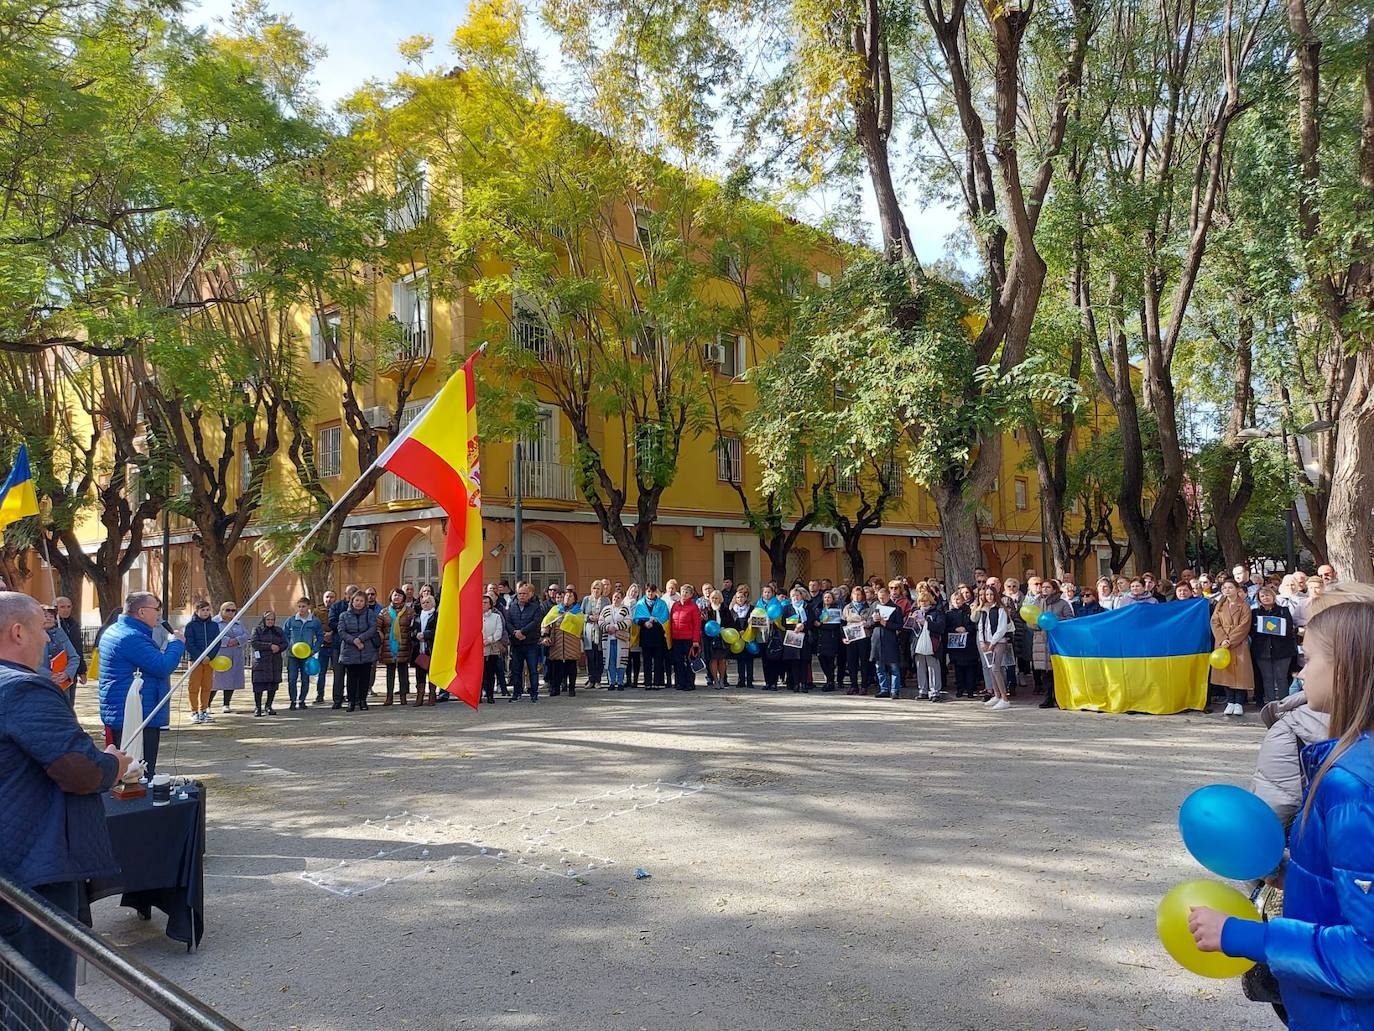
[[876, 364]]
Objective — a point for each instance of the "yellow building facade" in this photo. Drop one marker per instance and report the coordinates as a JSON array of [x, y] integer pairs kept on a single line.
[[396, 535]]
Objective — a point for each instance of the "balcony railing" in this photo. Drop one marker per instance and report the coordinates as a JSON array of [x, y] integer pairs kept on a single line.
[[413, 346], [394, 489], [548, 481], [532, 335]]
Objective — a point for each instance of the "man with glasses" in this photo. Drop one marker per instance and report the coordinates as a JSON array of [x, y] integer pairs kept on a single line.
[[127, 651], [373, 608]]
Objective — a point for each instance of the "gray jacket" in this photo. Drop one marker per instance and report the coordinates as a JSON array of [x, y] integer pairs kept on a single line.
[[363, 627], [1278, 774]]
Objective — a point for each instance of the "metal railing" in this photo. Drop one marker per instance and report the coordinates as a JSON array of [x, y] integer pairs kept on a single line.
[[393, 488], [548, 481], [28, 995], [413, 346], [533, 335]]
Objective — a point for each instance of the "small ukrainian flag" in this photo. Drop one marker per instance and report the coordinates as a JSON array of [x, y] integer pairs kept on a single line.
[[17, 497]]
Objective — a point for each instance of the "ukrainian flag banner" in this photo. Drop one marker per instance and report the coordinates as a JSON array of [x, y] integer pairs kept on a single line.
[[1143, 658], [17, 497]]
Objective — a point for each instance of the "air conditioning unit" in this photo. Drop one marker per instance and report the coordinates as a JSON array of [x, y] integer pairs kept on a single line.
[[358, 542], [715, 353], [832, 540], [377, 416]]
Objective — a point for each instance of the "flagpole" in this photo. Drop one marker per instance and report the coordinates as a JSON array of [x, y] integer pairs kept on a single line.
[[47, 560], [258, 593], [382, 456]]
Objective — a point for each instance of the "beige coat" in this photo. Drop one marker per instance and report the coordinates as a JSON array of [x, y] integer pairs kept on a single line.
[[1231, 629]]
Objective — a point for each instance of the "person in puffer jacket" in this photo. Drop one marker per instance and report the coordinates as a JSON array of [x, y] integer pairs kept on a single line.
[[1321, 950], [1293, 725], [127, 653]]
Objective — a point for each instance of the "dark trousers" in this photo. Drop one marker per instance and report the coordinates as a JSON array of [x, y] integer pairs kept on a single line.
[[772, 670], [744, 670], [1236, 697], [856, 663], [33, 943], [562, 675], [326, 660], [340, 673], [655, 666], [796, 673], [269, 690], [828, 668], [967, 677], [357, 679], [632, 669], [596, 662], [397, 671], [524, 662], [685, 679], [1273, 680], [491, 665], [152, 740]]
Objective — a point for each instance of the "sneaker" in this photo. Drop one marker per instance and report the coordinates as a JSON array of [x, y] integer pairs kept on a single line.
[[1002, 703], [882, 694], [990, 702], [195, 717], [205, 717]]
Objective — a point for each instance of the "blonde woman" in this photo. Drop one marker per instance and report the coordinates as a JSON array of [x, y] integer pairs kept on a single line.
[[615, 623]]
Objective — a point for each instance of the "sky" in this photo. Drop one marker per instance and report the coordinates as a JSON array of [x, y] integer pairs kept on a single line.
[[360, 39]]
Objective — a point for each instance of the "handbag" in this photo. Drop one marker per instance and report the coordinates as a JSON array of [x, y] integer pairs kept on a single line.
[[422, 661]]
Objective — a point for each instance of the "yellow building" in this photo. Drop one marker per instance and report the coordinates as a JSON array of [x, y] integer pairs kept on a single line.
[[396, 534]]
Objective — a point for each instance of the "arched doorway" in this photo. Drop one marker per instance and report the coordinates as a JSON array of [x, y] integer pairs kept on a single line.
[[542, 562], [420, 564]]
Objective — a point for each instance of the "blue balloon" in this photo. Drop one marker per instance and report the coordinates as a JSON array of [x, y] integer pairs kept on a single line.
[[712, 628], [752, 647], [1231, 832], [774, 608], [1047, 621], [312, 666]]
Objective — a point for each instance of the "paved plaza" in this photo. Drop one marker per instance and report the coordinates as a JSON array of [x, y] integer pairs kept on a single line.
[[815, 861]]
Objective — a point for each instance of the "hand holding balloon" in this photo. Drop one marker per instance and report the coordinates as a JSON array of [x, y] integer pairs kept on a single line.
[[1206, 923]]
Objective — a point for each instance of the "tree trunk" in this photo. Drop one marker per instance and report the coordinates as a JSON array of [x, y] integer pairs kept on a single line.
[[856, 560], [219, 581], [959, 534], [1350, 523]]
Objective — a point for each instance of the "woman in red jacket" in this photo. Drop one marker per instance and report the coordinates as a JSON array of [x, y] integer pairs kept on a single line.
[[684, 625]]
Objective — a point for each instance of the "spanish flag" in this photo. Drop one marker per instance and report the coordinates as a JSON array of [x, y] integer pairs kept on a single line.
[[1143, 658], [17, 497], [437, 453]]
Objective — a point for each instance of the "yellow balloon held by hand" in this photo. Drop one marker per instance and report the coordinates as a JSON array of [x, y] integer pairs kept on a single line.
[[301, 649], [1029, 614], [1220, 659], [1171, 921], [221, 663]]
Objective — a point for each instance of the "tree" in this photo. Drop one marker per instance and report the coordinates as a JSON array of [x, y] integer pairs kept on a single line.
[[1334, 106]]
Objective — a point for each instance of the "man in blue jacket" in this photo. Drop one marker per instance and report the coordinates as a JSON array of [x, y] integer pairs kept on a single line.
[[52, 825], [523, 618], [127, 650], [302, 628]]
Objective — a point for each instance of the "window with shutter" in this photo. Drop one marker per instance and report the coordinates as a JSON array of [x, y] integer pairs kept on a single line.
[[316, 340]]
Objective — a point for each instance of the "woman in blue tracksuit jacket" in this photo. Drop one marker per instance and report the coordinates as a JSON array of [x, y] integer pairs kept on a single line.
[[1322, 948]]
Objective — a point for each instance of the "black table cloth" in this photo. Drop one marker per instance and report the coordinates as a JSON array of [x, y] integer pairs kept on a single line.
[[161, 853]]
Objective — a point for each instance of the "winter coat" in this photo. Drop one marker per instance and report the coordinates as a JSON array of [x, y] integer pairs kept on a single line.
[[935, 623], [126, 650], [231, 647], [524, 619], [563, 646], [1322, 949], [1231, 629], [199, 633], [422, 633], [1293, 725], [58, 644], [50, 836], [1040, 641], [266, 662], [652, 620], [829, 636], [362, 626], [1091, 608], [494, 634], [385, 654], [885, 644], [308, 630], [960, 620], [685, 622], [591, 633], [792, 620], [1274, 646]]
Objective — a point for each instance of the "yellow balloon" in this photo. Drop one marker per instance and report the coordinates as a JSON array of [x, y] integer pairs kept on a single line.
[[1220, 659], [748, 634], [729, 635], [1171, 921], [301, 650], [221, 663]]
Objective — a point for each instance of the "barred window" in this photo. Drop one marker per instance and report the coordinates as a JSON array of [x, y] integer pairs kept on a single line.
[[729, 460], [329, 451]]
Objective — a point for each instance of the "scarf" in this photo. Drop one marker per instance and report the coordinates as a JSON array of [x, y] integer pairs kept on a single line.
[[395, 645]]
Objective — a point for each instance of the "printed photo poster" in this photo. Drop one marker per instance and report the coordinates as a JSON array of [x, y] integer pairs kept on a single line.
[[830, 615], [854, 632], [794, 639]]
